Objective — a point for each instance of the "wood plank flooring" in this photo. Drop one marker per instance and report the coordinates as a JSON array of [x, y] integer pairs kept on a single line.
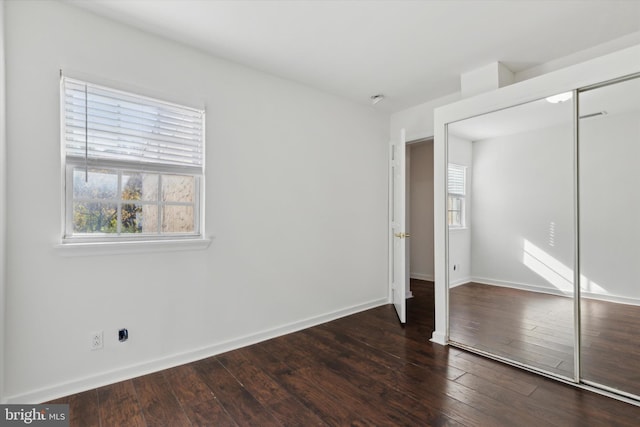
[[537, 329], [361, 370], [528, 327]]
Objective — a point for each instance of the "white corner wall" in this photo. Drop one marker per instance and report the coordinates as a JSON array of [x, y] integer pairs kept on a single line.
[[296, 199], [418, 121], [522, 203]]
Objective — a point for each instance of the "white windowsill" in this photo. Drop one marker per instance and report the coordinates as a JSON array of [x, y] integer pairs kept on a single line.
[[130, 247]]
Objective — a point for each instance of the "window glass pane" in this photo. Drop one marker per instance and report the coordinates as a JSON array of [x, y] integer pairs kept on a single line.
[[150, 186], [94, 217], [101, 184], [178, 188], [95, 203], [131, 186], [139, 186], [149, 217], [457, 218], [131, 218], [177, 219], [455, 204]]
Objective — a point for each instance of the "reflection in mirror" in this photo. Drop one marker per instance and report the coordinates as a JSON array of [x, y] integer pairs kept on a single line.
[[609, 234], [511, 251]]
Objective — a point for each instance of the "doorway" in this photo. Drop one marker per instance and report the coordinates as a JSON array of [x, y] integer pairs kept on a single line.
[[419, 211]]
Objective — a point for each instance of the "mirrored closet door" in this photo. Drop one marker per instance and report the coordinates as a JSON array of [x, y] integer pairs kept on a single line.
[[543, 231], [609, 175], [511, 234]]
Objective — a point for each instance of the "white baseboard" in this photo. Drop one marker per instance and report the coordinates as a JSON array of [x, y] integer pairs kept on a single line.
[[554, 291], [422, 276], [125, 373], [610, 298], [439, 338], [459, 282], [521, 286]]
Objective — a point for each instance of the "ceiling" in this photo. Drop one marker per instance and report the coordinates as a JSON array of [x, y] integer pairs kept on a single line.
[[410, 51]]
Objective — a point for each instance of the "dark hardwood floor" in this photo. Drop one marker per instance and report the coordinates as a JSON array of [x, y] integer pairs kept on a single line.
[[528, 327], [537, 329], [364, 369]]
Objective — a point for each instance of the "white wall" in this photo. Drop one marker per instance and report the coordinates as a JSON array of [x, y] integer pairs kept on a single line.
[[460, 152], [421, 210], [610, 206], [3, 169], [626, 41], [522, 203], [292, 246], [418, 121]]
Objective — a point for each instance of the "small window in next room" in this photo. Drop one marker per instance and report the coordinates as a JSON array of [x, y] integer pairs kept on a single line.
[[456, 184], [133, 166]]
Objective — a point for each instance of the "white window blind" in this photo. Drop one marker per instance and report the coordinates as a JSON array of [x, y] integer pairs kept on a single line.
[[107, 125], [456, 179]]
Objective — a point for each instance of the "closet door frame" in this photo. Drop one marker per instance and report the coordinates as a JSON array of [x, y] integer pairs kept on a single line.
[[578, 78]]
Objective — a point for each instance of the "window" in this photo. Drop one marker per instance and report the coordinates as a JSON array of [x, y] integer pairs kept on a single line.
[[133, 166], [456, 184]]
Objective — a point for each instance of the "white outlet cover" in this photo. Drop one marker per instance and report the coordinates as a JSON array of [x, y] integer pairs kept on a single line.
[[96, 340]]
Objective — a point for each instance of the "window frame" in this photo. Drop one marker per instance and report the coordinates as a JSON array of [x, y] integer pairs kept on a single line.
[[119, 201], [156, 241], [460, 196]]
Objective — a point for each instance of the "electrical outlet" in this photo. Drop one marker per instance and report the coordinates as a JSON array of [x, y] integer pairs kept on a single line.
[[96, 340]]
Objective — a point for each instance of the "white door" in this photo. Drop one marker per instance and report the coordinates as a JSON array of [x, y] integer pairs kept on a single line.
[[397, 234]]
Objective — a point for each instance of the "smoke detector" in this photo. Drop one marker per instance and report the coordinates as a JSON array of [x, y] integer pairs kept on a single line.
[[376, 98]]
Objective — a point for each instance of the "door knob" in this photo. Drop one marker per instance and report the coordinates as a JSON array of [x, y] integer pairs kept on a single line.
[[402, 235]]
